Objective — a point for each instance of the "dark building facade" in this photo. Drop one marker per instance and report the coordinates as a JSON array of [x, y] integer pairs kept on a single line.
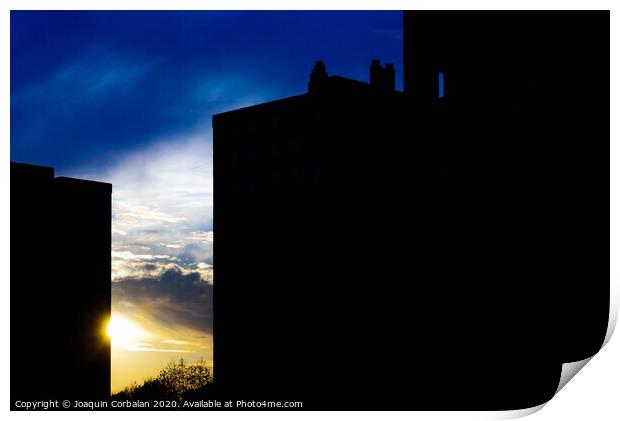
[[60, 286], [445, 247], [525, 108]]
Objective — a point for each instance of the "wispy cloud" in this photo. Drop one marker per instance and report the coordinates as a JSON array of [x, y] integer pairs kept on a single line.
[[96, 72], [175, 342], [150, 348], [127, 255]]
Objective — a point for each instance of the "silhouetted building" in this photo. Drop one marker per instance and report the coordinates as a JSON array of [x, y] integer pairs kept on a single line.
[[296, 182], [60, 286], [524, 113], [386, 250]]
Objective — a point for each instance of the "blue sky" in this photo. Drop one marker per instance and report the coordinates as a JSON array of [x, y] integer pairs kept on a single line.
[[88, 86], [127, 98]]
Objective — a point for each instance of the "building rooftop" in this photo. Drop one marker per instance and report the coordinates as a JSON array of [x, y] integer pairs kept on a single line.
[[38, 173]]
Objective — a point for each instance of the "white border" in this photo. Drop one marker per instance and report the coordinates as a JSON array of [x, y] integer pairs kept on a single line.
[[592, 396]]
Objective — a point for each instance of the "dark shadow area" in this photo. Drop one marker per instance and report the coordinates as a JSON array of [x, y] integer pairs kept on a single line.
[[446, 247], [60, 286]]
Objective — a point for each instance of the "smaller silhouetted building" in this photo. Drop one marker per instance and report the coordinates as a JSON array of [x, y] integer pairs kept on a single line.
[[297, 184], [60, 286]]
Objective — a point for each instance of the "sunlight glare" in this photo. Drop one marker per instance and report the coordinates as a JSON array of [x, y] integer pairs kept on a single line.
[[123, 332]]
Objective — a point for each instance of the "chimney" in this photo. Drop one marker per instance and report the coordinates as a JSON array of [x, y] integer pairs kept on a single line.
[[382, 79], [376, 72], [317, 77]]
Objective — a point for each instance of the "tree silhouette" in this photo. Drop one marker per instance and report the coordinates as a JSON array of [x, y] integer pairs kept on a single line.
[[174, 382]]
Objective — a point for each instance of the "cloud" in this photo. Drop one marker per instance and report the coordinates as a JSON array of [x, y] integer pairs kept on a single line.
[[169, 182], [96, 72], [175, 342], [150, 348], [131, 215], [176, 298], [123, 269], [127, 255], [205, 237], [162, 200]]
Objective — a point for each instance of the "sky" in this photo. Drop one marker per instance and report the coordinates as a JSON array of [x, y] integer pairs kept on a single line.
[[126, 97]]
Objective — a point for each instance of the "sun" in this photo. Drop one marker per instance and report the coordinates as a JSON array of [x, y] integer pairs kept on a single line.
[[123, 332]]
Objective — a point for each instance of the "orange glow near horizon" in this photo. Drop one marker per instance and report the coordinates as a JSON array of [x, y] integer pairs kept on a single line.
[[141, 348]]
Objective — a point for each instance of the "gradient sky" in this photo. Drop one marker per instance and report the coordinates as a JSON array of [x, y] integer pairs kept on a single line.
[[127, 98]]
